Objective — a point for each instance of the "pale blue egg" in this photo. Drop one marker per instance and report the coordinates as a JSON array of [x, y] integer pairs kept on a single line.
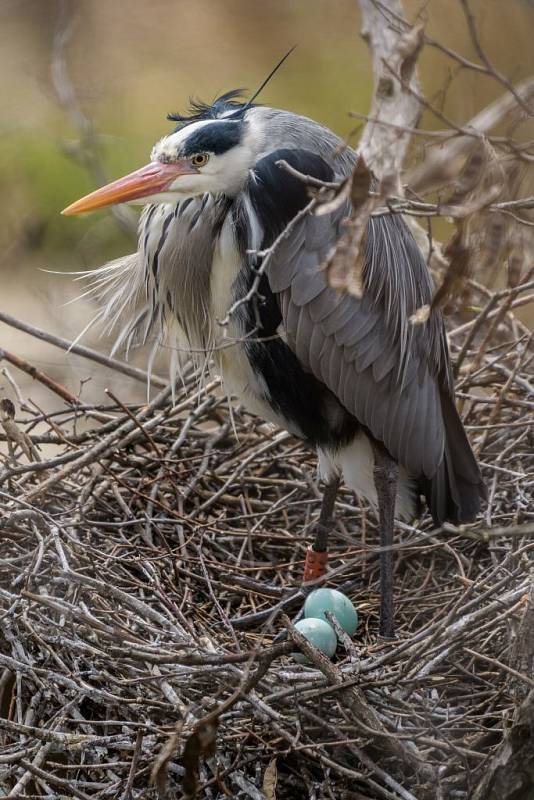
[[320, 634], [321, 600]]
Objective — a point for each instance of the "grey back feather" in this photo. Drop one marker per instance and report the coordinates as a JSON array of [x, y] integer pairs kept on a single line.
[[284, 129]]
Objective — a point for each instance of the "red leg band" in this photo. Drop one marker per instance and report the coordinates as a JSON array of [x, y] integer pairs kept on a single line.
[[315, 564]]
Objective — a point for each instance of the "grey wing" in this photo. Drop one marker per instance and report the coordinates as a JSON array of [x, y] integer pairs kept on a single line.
[[383, 369]]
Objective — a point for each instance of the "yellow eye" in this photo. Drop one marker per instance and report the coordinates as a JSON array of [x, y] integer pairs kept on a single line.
[[200, 159]]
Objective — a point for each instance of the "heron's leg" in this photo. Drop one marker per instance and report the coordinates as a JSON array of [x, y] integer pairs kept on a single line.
[[317, 555], [385, 475]]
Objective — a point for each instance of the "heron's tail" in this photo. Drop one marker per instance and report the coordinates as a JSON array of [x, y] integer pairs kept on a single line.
[[455, 492]]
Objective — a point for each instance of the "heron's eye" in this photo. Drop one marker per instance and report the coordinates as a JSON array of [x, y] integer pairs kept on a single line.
[[200, 159]]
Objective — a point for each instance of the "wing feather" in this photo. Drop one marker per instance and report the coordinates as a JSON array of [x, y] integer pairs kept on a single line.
[[316, 343], [325, 303], [307, 283], [344, 313], [303, 335]]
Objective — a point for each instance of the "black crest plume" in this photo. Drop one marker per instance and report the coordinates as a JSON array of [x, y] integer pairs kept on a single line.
[[199, 110]]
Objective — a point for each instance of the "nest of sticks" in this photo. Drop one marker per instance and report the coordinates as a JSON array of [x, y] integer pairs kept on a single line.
[[139, 653]]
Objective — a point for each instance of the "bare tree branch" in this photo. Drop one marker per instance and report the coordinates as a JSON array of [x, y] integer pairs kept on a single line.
[[385, 140]]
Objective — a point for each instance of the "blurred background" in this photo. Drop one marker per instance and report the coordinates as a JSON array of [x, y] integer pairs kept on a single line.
[[109, 72]]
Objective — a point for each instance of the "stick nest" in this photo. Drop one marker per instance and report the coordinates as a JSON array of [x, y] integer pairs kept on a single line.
[[148, 531]]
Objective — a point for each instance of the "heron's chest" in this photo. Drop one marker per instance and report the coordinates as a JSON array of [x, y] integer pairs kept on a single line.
[[233, 354]]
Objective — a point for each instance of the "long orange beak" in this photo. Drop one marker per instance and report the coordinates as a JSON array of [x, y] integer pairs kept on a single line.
[[151, 179]]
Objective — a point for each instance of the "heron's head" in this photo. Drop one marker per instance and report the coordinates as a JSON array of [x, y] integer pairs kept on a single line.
[[211, 151]]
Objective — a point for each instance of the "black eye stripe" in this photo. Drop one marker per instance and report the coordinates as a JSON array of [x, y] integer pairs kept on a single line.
[[216, 138]]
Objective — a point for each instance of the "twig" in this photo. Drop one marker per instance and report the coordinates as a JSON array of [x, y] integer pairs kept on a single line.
[[37, 375], [81, 350]]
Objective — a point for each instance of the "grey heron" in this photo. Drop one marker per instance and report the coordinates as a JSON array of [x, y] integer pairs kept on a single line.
[[372, 393]]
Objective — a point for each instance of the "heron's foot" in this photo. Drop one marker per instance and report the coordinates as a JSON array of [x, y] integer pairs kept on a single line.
[[315, 566], [269, 615], [292, 604]]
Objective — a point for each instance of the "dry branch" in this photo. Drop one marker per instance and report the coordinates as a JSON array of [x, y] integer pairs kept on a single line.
[[81, 350], [394, 110]]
